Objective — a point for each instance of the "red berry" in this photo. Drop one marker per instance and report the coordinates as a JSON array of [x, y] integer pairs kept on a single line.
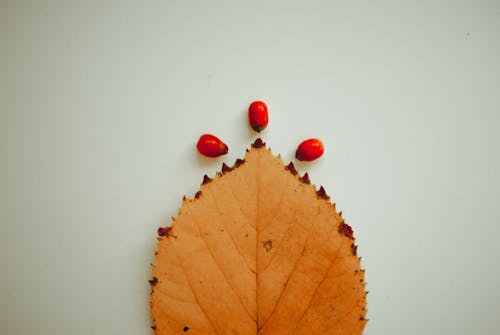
[[310, 150], [211, 146], [257, 115]]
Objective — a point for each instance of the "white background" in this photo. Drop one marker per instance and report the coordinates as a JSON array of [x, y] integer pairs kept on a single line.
[[101, 104]]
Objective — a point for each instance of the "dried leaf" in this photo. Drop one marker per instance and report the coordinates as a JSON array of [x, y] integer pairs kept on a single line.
[[259, 251]]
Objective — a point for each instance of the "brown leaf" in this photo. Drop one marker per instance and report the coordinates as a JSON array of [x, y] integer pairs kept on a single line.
[[260, 251]]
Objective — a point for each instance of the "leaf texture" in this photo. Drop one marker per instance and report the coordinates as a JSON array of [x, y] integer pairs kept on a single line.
[[258, 251]]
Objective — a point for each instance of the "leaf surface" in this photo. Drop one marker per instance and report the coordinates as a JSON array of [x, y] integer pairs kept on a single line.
[[258, 251]]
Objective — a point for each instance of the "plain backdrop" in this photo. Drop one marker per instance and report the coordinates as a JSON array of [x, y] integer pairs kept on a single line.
[[101, 104]]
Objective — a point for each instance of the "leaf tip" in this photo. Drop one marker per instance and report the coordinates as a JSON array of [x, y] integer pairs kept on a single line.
[[322, 193], [305, 178], [238, 162], [206, 180], [346, 230], [226, 168], [291, 167], [258, 143], [164, 231], [354, 249]]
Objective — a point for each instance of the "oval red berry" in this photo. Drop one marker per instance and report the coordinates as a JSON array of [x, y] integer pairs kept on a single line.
[[211, 146], [310, 150], [258, 116]]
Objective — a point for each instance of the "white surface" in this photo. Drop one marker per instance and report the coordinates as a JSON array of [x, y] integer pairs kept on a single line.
[[101, 104]]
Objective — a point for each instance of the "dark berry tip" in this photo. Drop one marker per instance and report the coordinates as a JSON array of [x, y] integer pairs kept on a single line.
[[197, 195], [257, 128], [153, 281]]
